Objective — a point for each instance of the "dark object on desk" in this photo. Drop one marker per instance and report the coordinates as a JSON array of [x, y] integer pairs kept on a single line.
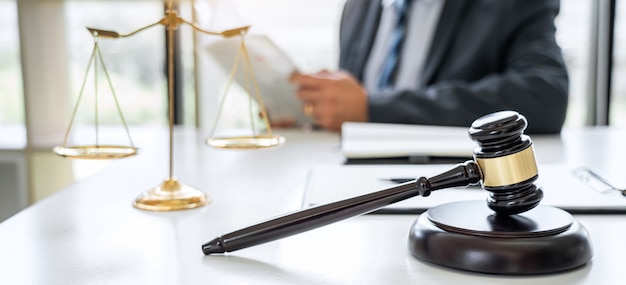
[[520, 238], [466, 235], [505, 164], [398, 180], [416, 159], [317, 216]]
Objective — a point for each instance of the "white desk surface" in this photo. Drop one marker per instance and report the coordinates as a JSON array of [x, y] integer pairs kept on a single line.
[[89, 233]]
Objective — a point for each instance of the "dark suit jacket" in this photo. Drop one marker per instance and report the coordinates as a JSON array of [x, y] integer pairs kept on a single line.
[[486, 56]]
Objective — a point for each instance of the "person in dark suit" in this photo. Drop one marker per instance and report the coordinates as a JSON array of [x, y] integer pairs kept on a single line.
[[484, 56]]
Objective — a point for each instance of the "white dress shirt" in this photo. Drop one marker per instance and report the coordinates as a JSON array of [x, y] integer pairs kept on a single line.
[[422, 20]]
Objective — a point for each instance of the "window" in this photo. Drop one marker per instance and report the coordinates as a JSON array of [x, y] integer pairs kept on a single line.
[[55, 49], [11, 99], [617, 112], [573, 35], [135, 64]]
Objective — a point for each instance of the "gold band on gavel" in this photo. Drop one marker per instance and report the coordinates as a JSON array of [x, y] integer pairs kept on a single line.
[[507, 170]]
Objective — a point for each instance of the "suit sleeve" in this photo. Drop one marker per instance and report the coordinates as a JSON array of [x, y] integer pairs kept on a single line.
[[532, 79]]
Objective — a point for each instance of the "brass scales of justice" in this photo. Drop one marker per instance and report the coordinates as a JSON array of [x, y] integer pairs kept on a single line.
[[171, 194]]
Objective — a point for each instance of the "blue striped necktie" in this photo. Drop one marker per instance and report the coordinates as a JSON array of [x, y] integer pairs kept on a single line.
[[391, 62]]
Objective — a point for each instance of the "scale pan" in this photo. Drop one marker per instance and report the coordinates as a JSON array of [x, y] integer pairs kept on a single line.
[[247, 142], [96, 151]]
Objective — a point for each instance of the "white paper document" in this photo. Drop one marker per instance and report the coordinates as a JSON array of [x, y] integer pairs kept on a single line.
[[378, 140], [271, 68], [560, 186]]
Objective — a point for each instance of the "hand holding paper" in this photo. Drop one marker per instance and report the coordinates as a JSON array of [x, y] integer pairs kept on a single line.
[[271, 68], [332, 98]]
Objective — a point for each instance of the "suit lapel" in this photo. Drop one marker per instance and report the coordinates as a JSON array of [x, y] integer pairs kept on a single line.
[[362, 35], [453, 9]]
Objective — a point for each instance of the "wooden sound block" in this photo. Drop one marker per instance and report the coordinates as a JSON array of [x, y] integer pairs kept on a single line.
[[467, 235]]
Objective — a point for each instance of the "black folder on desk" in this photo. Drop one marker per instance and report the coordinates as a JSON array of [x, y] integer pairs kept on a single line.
[[378, 143], [561, 188]]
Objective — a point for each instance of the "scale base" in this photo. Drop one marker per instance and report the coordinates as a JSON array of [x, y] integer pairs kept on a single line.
[[171, 195], [469, 236]]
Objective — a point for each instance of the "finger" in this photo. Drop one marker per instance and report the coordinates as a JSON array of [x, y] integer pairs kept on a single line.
[[309, 95], [308, 81], [283, 123], [298, 78]]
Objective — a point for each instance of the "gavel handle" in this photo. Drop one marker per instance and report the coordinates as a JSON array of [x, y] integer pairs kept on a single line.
[[464, 174], [300, 221]]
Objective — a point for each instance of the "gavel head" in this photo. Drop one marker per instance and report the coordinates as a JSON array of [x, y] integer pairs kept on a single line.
[[507, 162]]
